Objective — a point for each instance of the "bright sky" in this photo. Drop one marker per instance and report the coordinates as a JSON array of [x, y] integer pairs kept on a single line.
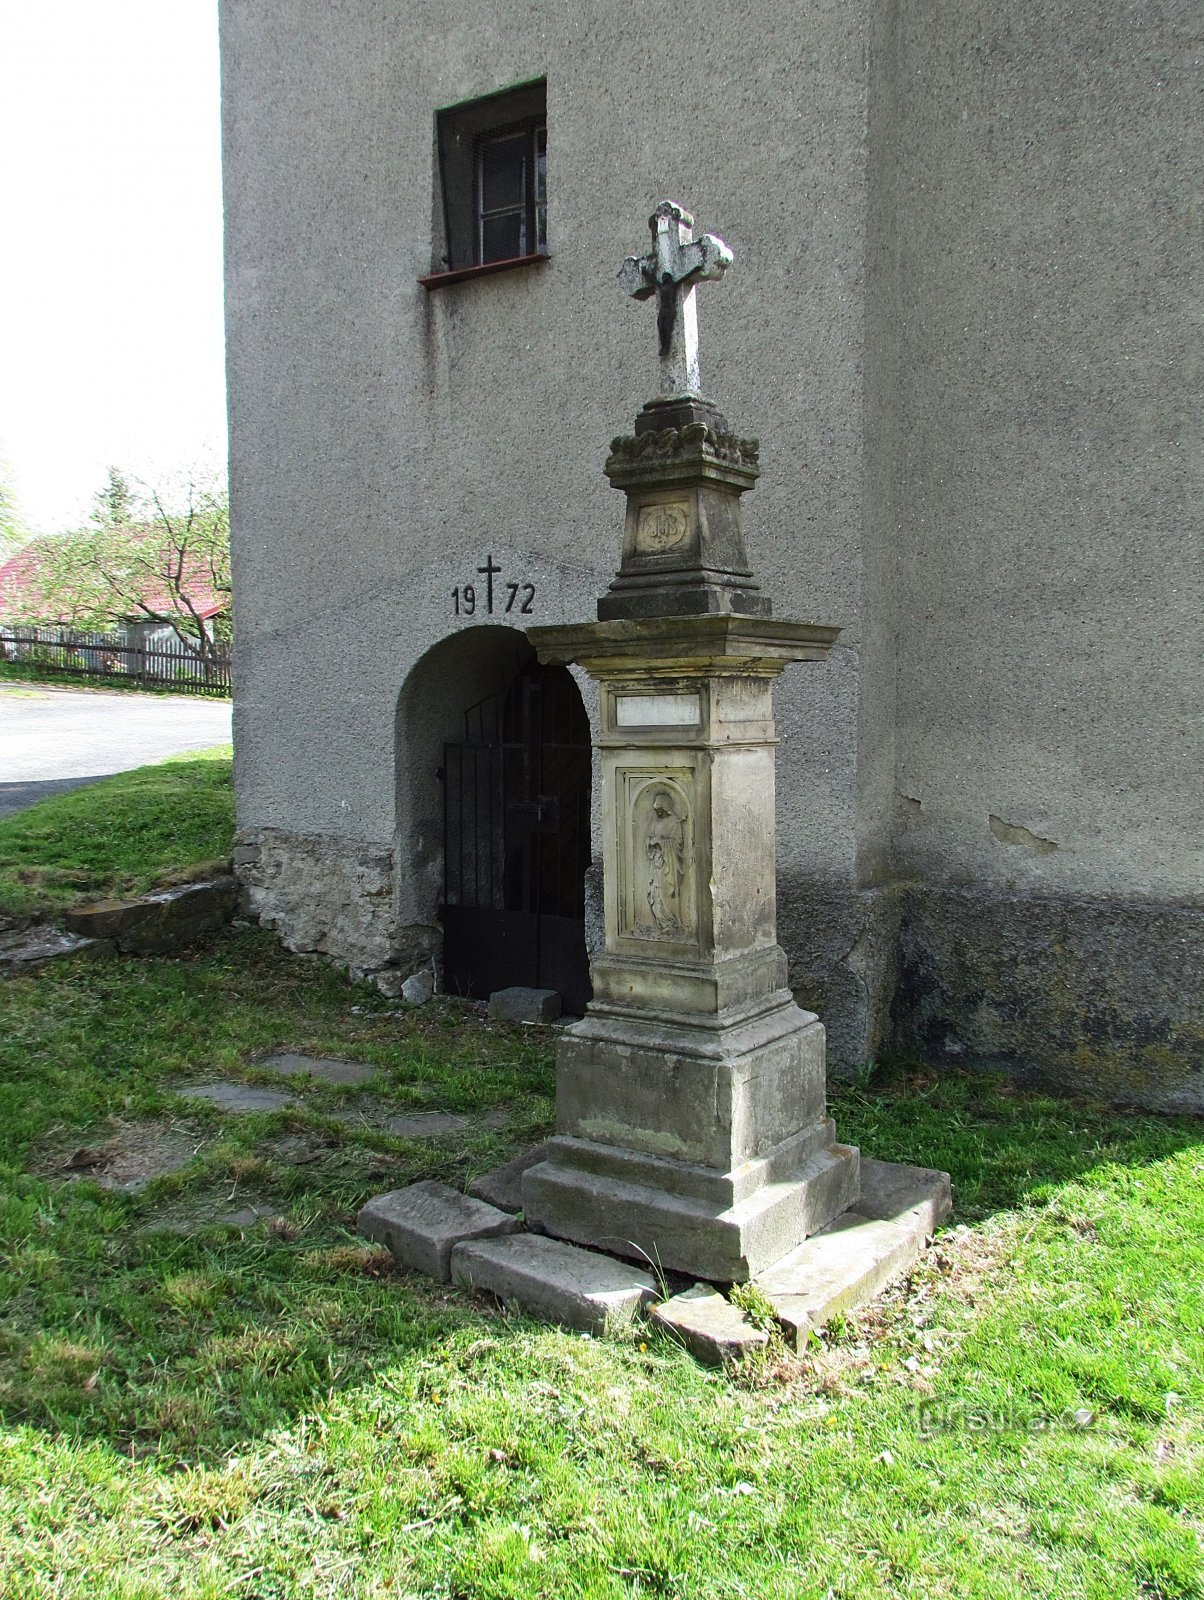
[[110, 269]]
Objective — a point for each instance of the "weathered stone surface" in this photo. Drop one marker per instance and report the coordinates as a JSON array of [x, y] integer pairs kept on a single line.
[[719, 1097], [915, 1198], [418, 988], [524, 1005], [843, 1266], [712, 1329], [21, 951], [322, 1070], [329, 895], [560, 1282], [432, 1124], [423, 1223], [503, 1187], [236, 1096], [672, 1225], [1087, 994], [156, 924]]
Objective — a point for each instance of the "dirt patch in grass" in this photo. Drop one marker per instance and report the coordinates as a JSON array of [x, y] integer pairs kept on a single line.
[[123, 1157]]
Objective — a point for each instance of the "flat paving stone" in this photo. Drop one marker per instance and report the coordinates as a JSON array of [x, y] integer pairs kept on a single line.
[[321, 1068], [247, 1216], [28, 948], [555, 1281], [423, 1223], [430, 1124], [837, 1269], [503, 1187], [237, 1096], [713, 1330], [521, 1004]]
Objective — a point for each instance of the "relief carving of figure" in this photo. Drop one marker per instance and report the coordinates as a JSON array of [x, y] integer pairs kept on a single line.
[[666, 851]]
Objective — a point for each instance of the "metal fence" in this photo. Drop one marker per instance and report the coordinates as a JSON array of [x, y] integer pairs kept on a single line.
[[162, 663]]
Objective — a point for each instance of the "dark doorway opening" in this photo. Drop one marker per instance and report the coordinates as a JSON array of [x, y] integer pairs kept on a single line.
[[516, 841]]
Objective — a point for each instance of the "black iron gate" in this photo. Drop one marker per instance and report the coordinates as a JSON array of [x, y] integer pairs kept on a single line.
[[516, 841]]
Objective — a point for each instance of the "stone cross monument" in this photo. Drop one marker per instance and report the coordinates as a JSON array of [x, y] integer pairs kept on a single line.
[[692, 1129], [676, 262], [691, 1120]]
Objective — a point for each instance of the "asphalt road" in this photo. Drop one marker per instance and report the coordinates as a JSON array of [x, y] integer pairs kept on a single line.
[[55, 739]]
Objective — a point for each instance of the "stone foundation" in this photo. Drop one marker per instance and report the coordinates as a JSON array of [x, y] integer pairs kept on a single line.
[[1089, 996], [842, 944], [332, 897]]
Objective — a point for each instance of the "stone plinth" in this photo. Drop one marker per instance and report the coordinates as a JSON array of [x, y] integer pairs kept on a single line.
[[691, 1119], [683, 472]]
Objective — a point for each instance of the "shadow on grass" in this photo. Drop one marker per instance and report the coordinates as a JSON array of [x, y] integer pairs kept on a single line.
[[1003, 1145], [188, 1345]]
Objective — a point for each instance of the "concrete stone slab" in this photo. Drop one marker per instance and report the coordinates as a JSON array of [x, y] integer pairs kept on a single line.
[[524, 1005], [241, 1097], [912, 1197], [158, 923], [321, 1069], [431, 1124], [423, 1223], [247, 1216], [23, 950], [845, 1265], [713, 1330], [503, 1187], [559, 1282]]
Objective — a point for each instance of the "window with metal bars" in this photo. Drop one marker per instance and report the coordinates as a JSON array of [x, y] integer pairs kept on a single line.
[[493, 182]]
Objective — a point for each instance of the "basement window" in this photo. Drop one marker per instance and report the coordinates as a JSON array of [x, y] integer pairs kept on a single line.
[[493, 157]]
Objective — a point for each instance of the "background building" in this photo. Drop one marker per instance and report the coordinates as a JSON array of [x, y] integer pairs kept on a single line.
[[964, 322]]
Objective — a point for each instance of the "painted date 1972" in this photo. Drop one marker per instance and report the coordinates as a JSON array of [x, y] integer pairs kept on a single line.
[[502, 597]]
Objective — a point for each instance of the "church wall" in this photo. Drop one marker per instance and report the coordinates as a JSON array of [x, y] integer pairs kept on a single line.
[[1048, 485], [962, 323], [386, 440]]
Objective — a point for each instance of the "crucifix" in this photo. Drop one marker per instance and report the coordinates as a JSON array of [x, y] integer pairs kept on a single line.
[[676, 262], [670, 271]]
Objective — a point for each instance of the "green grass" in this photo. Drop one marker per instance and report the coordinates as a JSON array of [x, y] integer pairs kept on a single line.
[[121, 836], [194, 1409]]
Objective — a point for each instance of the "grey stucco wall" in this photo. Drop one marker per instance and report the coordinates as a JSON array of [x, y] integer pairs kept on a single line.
[[1050, 455], [1044, 277], [384, 440]]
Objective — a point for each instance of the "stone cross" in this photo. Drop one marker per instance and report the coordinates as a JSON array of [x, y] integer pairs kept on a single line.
[[676, 262]]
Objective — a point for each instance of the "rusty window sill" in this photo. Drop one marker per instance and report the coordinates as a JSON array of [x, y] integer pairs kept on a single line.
[[438, 280]]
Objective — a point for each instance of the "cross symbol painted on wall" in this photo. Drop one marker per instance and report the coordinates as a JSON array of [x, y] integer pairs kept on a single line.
[[676, 262]]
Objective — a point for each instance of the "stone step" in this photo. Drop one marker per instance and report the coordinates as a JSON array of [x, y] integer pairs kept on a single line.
[[422, 1224], [915, 1197], [711, 1328], [851, 1260], [556, 1281], [503, 1187]]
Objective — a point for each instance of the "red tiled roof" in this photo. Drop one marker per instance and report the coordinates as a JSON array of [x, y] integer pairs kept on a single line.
[[19, 582]]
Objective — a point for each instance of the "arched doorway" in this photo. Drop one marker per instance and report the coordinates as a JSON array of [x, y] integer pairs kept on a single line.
[[516, 840]]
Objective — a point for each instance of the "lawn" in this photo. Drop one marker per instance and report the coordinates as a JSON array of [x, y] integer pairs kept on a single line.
[[197, 1407], [120, 836]]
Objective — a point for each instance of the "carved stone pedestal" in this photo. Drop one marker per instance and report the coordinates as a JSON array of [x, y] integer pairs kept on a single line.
[[691, 1120]]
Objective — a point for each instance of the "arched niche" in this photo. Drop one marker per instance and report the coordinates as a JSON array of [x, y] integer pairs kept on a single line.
[[493, 814]]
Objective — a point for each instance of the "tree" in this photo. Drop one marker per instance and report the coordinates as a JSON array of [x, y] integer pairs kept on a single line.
[[13, 531], [147, 554]]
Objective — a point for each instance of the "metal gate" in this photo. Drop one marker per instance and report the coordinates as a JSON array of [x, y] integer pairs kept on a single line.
[[516, 841]]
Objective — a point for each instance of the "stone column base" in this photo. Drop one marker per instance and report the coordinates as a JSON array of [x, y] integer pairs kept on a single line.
[[700, 1148], [671, 1222]]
